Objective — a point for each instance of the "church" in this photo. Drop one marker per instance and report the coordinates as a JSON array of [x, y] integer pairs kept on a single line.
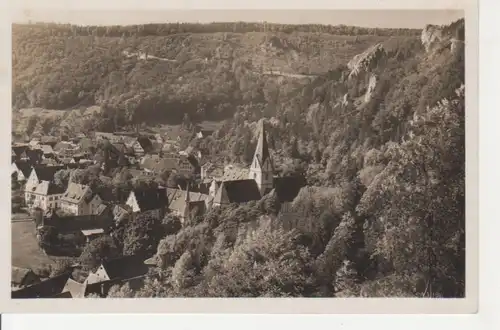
[[260, 179]]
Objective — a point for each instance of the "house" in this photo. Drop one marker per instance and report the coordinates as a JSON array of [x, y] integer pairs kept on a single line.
[[232, 173], [37, 175], [187, 209], [22, 277], [157, 165], [238, 191], [85, 226], [46, 196], [21, 169], [44, 289], [66, 149], [119, 268], [142, 145], [48, 140], [19, 150], [93, 233], [148, 199], [34, 156], [79, 199], [76, 289]]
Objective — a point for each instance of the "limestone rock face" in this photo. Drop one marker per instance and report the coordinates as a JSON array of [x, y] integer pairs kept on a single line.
[[366, 60], [431, 35]]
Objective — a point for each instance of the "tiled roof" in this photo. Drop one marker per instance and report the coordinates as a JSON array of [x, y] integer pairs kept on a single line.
[[48, 139], [34, 155], [47, 149], [159, 165], [235, 173], [19, 275], [239, 191], [44, 289], [125, 267], [46, 173], [150, 199], [18, 150], [47, 188], [73, 224], [75, 193], [177, 197], [24, 167]]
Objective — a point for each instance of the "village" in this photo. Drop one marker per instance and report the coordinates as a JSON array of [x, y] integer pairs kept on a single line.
[[77, 211]]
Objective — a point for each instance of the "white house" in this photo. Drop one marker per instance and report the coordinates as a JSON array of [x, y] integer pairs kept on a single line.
[[46, 196], [79, 199], [37, 175]]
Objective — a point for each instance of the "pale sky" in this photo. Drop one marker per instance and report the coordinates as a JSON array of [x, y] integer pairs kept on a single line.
[[366, 18]]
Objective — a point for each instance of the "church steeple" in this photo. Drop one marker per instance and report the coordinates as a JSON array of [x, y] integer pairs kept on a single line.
[[262, 151], [262, 169]]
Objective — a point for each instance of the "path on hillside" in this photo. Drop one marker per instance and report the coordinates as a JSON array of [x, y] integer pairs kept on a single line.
[[143, 56], [285, 74]]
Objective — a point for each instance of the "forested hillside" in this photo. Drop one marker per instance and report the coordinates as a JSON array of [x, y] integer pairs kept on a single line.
[[160, 73], [377, 119]]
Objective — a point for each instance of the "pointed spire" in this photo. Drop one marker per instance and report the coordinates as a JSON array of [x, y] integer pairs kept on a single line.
[[262, 150]]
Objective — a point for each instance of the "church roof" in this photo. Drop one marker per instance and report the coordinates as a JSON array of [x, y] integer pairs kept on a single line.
[[262, 149], [238, 191]]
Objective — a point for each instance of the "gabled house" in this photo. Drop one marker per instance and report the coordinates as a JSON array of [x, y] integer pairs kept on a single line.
[[148, 199], [157, 165], [187, 205], [44, 289], [76, 289], [119, 268], [79, 199], [22, 170], [34, 156], [19, 151], [46, 196], [22, 277], [37, 175]]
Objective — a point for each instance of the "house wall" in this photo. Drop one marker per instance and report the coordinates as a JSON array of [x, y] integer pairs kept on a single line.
[[30, 184], [132, 202], [101, 273], [46, 202]]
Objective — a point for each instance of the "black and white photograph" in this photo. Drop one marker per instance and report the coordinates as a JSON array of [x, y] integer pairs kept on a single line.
[[220, 154]]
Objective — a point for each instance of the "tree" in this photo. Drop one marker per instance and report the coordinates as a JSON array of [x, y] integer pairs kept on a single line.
[[142, 235], [47, 237], [98, 250], [62, 177], [268, 263], [61, 266]]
